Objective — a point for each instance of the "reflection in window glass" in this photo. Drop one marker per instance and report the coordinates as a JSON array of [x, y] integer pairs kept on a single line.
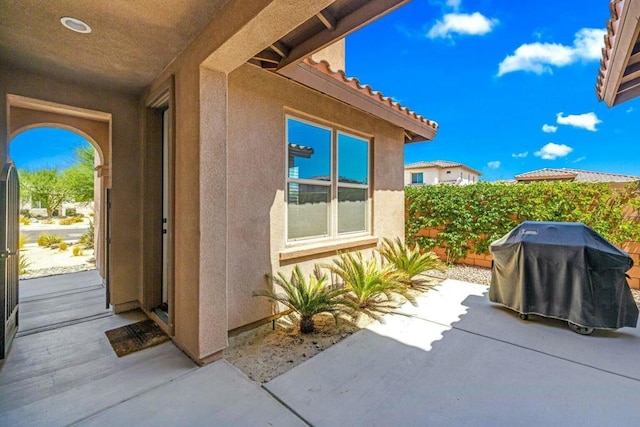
[[308, 210], [309, 151], [353, 159], [352, 210]]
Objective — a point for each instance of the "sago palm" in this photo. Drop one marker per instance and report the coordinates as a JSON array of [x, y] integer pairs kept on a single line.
[[371, 285], [409, 261], [307, 297]]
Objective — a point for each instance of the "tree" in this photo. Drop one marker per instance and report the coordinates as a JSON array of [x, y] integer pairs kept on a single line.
[[79, 177], [45, 186]]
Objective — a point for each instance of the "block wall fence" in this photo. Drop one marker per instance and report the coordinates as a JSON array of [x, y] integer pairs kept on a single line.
[[482, 260]]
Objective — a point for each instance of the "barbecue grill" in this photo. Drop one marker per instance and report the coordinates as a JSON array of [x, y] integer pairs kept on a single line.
[[565, 271]]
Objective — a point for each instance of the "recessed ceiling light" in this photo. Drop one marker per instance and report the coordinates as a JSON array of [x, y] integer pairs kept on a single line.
[[75, 25]]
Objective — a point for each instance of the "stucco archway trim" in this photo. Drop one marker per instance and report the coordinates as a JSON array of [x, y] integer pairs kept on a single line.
[[24, 114]]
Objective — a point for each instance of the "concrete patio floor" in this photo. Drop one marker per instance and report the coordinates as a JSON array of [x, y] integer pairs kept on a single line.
[[454, 359]]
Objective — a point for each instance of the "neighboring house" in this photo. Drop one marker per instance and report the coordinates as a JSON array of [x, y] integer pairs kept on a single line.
[[439, 172], [550, 174], [619, 75], [224, 153]]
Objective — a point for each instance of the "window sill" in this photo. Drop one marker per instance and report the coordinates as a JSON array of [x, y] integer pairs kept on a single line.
[[287, 256]]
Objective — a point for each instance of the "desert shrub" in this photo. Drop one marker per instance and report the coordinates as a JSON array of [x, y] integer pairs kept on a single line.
[[46, 240], [25, 213], [23, 264], [409, 261], [70, 220], [307, 297], [77, 250], [87, 238], [24, 220], [22, 240], [63, 246], [372, 286]]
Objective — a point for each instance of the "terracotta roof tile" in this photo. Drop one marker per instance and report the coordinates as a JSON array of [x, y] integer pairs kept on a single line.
[[574, 175], [615, 7], [354, 83]]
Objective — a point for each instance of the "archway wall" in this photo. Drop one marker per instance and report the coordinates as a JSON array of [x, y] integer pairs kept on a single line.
[[124, 159], [95, 131]]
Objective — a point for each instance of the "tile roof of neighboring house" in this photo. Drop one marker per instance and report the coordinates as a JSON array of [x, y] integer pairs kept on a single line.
[[320, 76], [618, 76], [442, 164], [574, 175]]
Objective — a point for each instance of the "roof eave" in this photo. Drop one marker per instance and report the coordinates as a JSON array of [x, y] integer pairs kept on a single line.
[[307, 75], [619, 42]]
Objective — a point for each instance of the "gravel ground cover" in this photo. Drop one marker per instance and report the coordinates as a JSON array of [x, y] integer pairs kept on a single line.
[[482, 276]]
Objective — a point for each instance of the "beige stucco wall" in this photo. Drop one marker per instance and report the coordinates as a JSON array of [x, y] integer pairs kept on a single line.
[[258, 101], [334, 54], [126, 256]]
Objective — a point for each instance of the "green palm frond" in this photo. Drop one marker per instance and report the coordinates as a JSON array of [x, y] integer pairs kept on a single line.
[[409, 261], [371, 285], [307, 297]]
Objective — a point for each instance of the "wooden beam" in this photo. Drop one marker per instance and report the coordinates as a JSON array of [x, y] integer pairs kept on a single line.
[[629, 85], [268, 56], [281, 49], [630, 93], [327, 19], [634, 59], [631, 73], [369, 11]]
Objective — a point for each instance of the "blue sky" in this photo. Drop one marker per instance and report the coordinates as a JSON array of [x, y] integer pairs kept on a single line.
[[45, 148], [511, 83]]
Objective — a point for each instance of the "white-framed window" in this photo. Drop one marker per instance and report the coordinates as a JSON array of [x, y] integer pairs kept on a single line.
[[327, 181], [417, 178]]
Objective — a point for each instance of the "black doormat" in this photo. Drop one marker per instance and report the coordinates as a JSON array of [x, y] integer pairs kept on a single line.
[[136, 336]]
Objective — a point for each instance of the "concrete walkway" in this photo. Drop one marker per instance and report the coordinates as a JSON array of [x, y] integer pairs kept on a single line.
[[453, 360], [458, 360], [54, 301]]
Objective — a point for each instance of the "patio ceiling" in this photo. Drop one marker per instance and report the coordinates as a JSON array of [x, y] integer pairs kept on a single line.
[[619, 75], [130, 44], [334, 22], [133, 41]]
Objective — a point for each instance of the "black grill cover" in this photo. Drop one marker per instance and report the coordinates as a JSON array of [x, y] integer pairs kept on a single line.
[[565, 271]]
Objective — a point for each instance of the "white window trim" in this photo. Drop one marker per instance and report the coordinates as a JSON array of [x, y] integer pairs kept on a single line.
[[333, 184]]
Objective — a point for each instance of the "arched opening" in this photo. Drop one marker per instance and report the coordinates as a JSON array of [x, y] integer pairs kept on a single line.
[[51, 304], [56, 167]]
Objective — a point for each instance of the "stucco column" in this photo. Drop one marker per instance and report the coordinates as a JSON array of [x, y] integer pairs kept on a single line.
[[213, 318]]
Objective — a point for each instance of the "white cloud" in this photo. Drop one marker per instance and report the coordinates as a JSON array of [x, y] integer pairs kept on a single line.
[[549, 128], [474, 24], [629, 110], [539, 57], [552, 151], [494, 165], [586, 121], [579, 159], [520, 155], [454, 4]]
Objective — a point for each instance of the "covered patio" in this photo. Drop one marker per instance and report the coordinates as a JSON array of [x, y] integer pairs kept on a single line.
[[453, 359]]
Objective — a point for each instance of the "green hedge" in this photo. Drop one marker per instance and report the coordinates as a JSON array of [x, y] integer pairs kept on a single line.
[[471, 217]]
